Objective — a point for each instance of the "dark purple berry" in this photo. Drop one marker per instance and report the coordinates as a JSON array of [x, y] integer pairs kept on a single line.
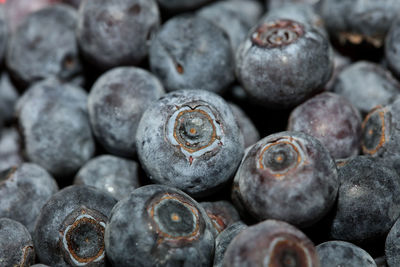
[[271, 243], [116, 103], [288, 176], [70, 228], [331, 119], [158, 225], [190, 139]]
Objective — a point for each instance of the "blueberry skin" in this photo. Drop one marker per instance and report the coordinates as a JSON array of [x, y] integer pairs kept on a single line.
[[368, 200], [221, 213], [359, 20], [189, 139], [287, 176], [392, 47], [116, 103], [24, 190], [8, 98], [367, 85], [392, 246], [282, 62], [45, 45], [55, 126], [10, 148], [16, 246], [340, 253], [81, 211], [114, 175], [271, 243], [190, 52], [115, 33], [246, 126], [234, 17], [141, 233], [333, 120], [223, 240]]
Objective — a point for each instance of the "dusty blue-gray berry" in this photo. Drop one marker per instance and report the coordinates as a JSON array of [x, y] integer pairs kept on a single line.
[[114, 175], [157, 225], [189, 139], [190, 52]]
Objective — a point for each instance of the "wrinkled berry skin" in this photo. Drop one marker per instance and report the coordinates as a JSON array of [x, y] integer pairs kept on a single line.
[[190, 52], [283, 62], [70, 227], [368, 200], [223, 240], [114, 175], [234, 17], [16, 246], [24, 191], [189, 139], [392, 246], [55, 126], [367, 85], [157, 225], [221, 213], [246, 126], [45, 45], [116, 103], [115, 33], [392, 48], [10, 149], [341, 253], [271, 243], [331, 119], [287, 176], [358, 21], [381, 134]]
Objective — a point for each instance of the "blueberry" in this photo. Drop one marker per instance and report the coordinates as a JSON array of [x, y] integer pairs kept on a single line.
[[118, 32], [271, 243], [221, 213], [189, 139], [246, 126], [10, 148], [234, 17], [116, 103], [16, 246], [288, 176], [340, 253], [190, 52], [331, 119], [24, 190], [8, 98], [45, 45], [70, 228], [360, 20], [392, 48], [368, 201], [392, 246], [157, 225], [223, 240], [55, 126], [283, 62], [114, 175], [367, 85]]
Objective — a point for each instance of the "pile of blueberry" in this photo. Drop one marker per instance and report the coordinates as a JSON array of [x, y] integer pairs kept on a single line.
[[200, 133]]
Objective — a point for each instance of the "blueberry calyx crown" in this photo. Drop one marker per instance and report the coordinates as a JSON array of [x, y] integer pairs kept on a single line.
[[277, 33], [373, 131], [284, 251], [194, 129], [281, 156], [82, 238], [174, 218]]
